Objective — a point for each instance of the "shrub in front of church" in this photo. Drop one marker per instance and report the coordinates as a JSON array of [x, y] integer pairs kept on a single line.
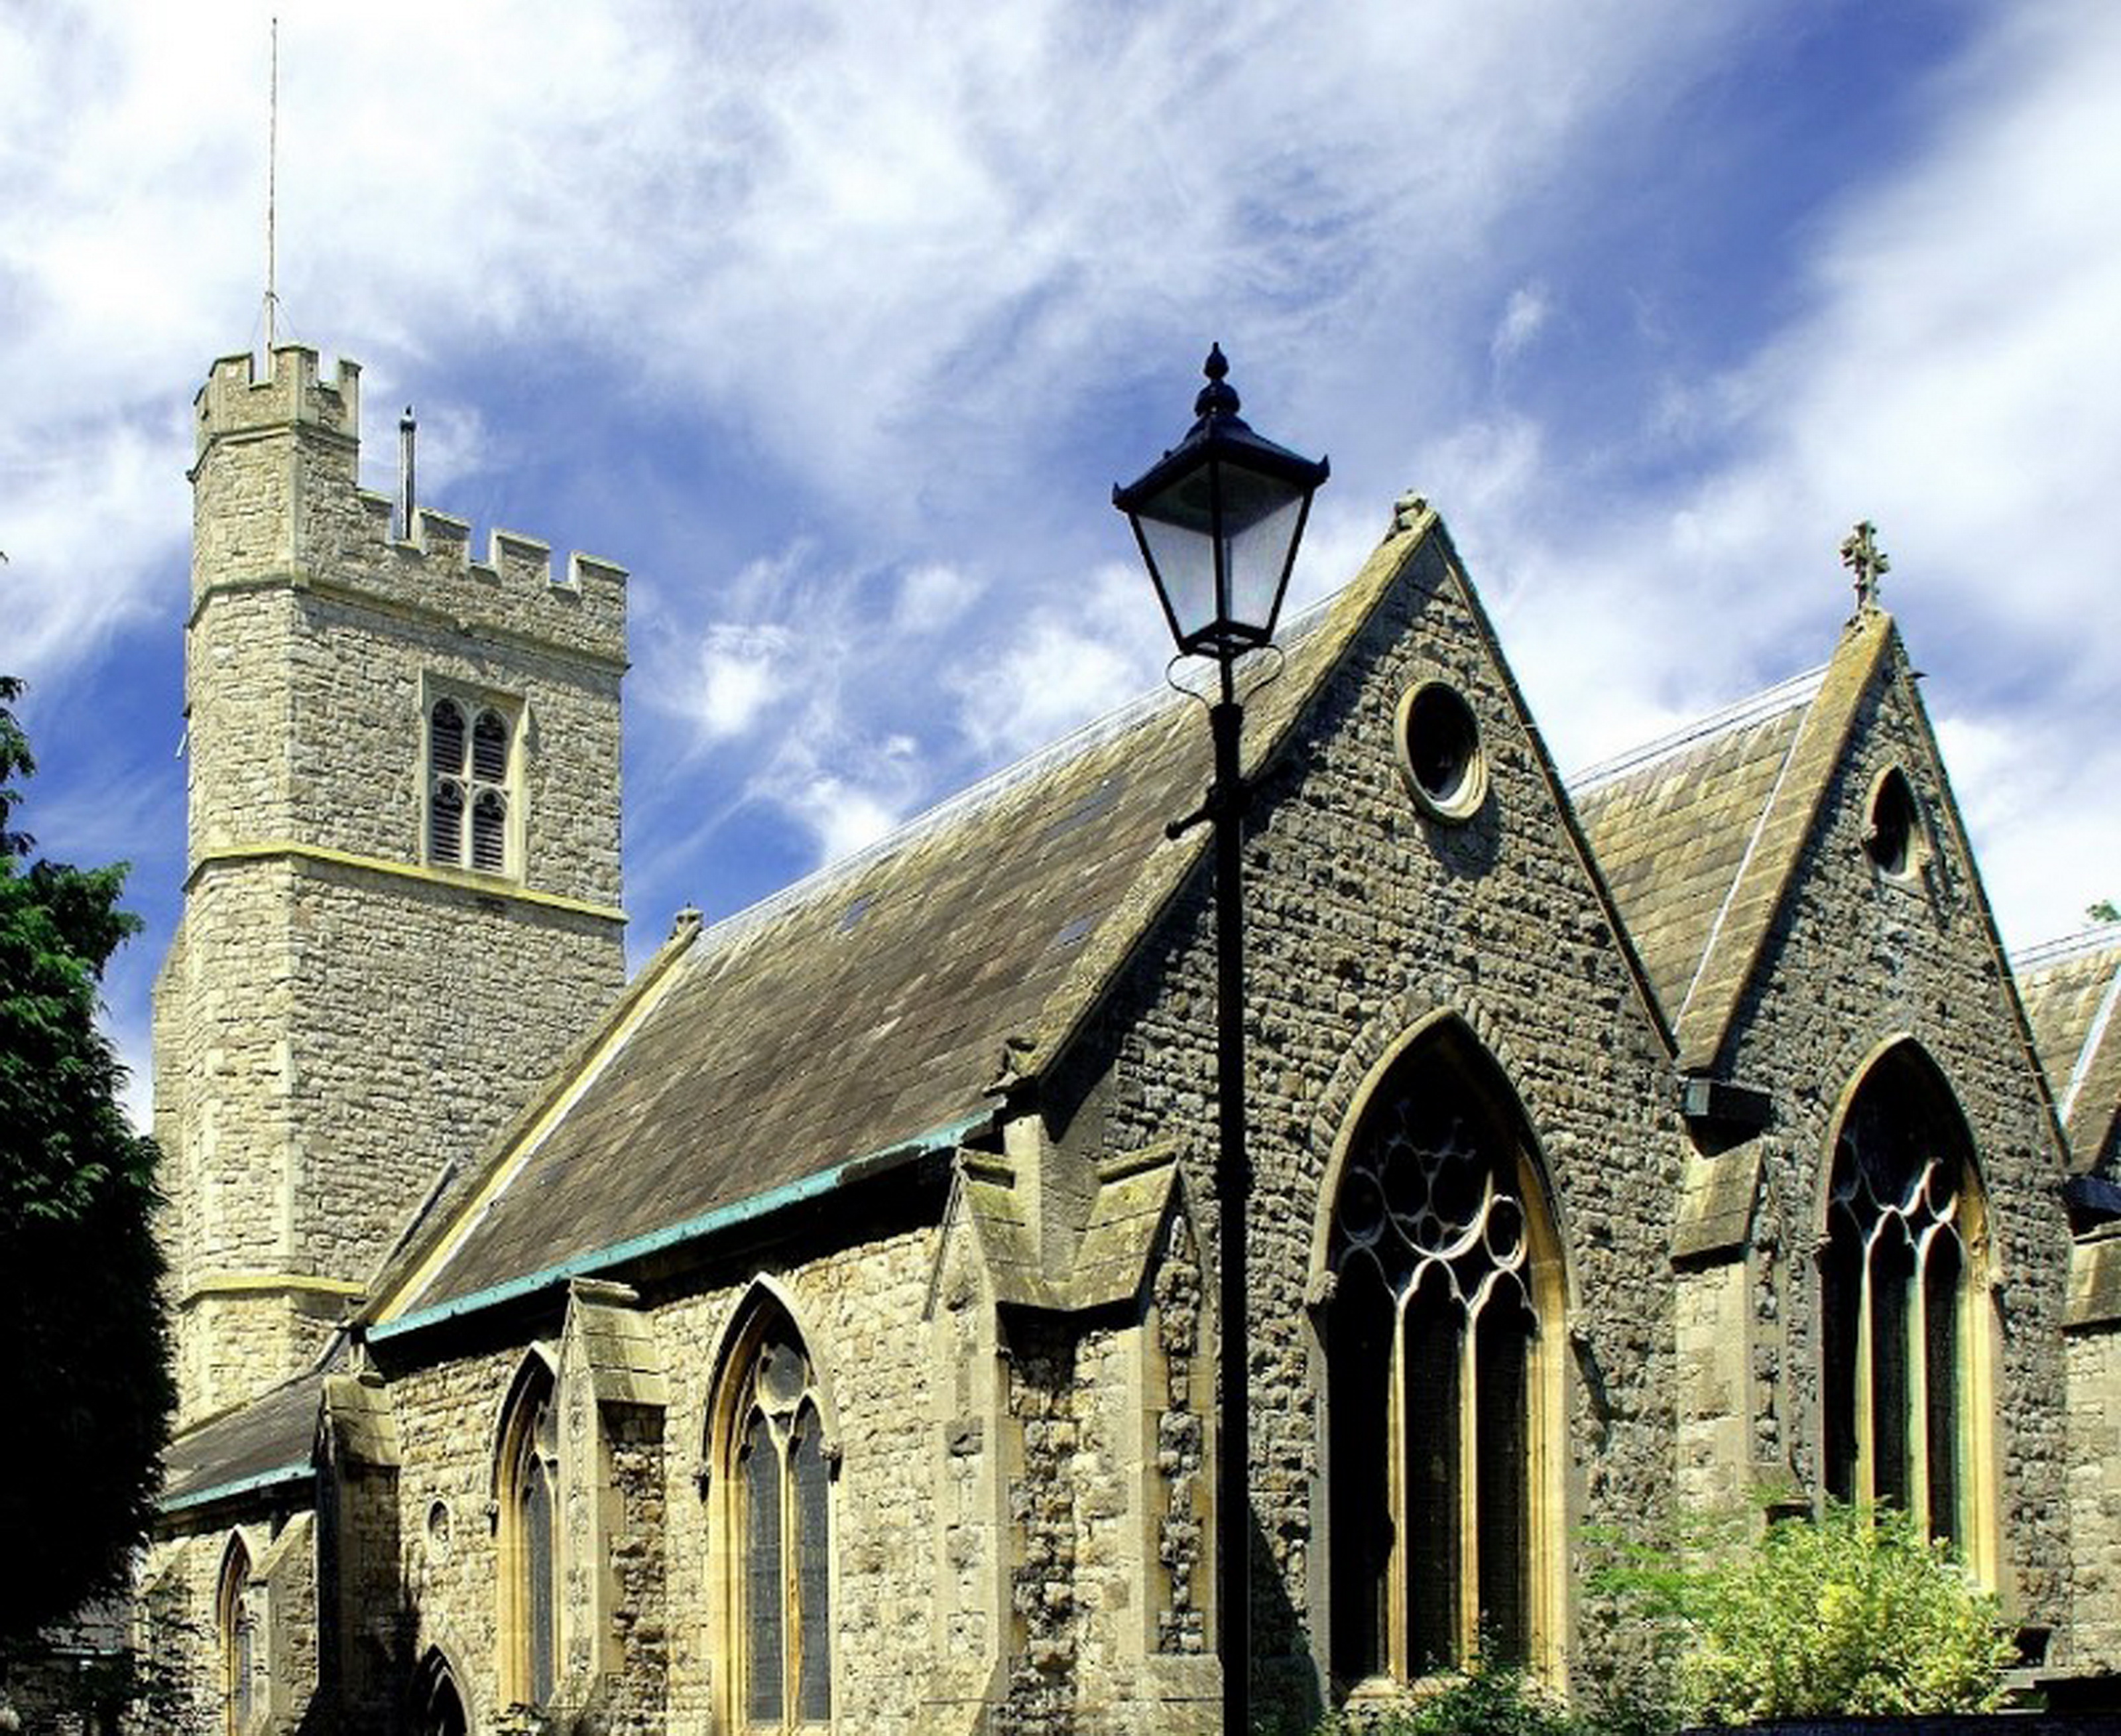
[[1857, 1614]]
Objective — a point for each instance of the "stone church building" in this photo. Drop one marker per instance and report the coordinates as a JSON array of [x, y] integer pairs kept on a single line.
[[818, 1330]]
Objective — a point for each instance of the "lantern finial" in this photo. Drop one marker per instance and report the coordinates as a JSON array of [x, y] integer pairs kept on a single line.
[[1216, 398]]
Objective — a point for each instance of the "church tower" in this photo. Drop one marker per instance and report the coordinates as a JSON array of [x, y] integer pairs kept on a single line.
[[402, 897]]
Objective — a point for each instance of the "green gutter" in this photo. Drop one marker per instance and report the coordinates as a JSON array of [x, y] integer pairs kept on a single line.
[[300, 1472], [708, 1224]]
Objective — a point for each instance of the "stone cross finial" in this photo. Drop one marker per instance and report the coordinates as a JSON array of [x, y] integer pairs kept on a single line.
[[1860, 554]]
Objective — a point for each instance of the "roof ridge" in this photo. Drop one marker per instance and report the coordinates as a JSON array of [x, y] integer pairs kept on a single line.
[[992, 787], [2097, 937], [1785, 695]]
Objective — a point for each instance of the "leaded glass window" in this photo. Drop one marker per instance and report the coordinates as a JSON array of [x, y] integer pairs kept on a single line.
[[529, 1602], [238, 1634], [1432, 1336], [1902, 1210], [782, 1521]]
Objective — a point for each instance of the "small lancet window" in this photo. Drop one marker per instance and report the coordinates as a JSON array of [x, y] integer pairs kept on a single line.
[[779, 1520], [237, 1636], [527, 1500]]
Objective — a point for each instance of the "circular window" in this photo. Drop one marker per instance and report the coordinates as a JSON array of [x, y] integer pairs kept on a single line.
[[1439, 751], [1892, 839]]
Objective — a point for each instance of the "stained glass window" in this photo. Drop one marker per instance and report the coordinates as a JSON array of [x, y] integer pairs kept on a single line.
[[1430, 1339]]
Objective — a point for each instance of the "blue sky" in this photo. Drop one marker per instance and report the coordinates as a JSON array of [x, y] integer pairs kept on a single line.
[[835, 323]]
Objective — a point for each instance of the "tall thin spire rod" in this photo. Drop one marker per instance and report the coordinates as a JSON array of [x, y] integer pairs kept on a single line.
[[271, 196]]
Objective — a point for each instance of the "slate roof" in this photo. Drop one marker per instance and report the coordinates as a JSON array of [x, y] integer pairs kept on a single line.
[[268, 1439], [1670, 822], [868, 1009], [2071, 990]]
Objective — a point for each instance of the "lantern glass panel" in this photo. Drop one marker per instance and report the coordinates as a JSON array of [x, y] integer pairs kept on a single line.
[[1184, 555], [1256, 557]]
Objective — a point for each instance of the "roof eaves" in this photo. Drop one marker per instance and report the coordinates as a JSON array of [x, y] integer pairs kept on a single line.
[[737, 1214], [296, 1472]]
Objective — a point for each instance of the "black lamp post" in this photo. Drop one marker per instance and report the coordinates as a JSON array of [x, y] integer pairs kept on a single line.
[[1219, 518]]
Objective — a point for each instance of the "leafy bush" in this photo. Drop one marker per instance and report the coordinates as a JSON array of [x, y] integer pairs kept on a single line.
[[1484, 1700], [1855, 1614]]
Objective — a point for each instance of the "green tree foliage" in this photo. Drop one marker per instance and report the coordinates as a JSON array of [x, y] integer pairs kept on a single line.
[[84, 1360], [1857, 1613], [2105, 910]]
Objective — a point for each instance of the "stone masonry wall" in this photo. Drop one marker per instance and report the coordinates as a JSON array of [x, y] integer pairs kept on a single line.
[[1364, 918], [860, 1307], [1859, 958], [308, 1132], [2094, 1476]]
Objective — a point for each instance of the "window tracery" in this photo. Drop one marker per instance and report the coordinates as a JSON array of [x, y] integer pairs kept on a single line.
[[1900, 1326], [1446, 1299], [776, 1464]]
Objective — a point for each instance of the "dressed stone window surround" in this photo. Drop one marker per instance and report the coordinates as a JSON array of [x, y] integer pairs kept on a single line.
[[1896, 836], [472, 816], [1443, 1334], [1441, 760], [1905, 1315], [526, 1524], [773, 1453], [235, 1626]]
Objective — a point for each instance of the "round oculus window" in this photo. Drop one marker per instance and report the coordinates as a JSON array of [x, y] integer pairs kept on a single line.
[[1439, 751], [1892, 839]]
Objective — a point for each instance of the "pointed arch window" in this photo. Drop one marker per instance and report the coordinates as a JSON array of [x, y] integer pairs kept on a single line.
[[470, 772], [438, 1708], [1902, 1329], [235, 1629], [1441, 1369], [526, 1504], [774, 1467]]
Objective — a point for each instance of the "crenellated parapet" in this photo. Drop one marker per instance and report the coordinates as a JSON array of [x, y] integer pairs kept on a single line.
[[278, 502], [292, 392]]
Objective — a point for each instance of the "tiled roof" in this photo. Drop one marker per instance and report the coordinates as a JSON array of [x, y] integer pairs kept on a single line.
[[1670, 822], [871, 1007], [2071, 990], [273, 1433]]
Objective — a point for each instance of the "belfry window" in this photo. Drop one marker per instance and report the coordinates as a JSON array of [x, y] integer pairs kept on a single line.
[[526, 1497], [469, 770], [1901, 1329], [236, 1632], [1439, 1344], [775, 1474]]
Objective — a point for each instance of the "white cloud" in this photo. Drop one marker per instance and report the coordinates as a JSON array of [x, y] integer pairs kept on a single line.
[[1524, 318]]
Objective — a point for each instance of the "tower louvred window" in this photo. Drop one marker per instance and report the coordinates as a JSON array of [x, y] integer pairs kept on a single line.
[[489, 748], [489, 832], [470, 763], [446, 821], [445, 738]]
